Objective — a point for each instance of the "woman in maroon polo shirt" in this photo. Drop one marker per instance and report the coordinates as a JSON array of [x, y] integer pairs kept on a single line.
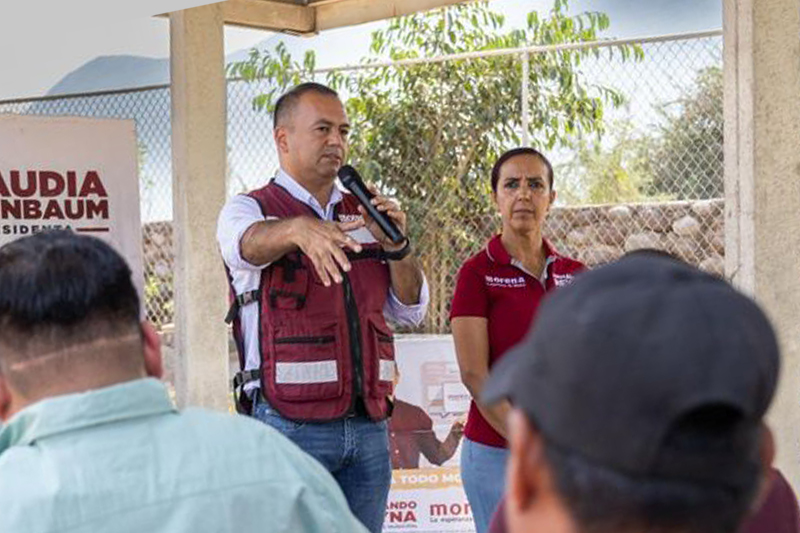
[[496, 297]]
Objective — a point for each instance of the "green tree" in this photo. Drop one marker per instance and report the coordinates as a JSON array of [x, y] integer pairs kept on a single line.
[[429, 133], [616, 170], [686, 158]]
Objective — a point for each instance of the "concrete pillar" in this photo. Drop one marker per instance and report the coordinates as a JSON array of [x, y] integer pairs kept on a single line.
[[198, 162], [762, 182]]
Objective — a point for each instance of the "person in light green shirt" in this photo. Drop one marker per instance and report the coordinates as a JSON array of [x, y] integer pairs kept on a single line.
[[91, 441]]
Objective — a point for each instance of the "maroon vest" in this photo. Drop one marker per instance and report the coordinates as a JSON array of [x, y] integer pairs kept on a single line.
[[323, 347]]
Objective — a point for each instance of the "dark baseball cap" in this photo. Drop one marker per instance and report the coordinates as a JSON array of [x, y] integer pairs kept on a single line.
[[618, 362]]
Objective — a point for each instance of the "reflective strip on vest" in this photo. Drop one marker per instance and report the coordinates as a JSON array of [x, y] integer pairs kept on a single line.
[[303, 373], [386, 372]]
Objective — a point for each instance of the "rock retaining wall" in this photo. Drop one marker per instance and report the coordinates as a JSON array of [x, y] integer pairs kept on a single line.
[[691, 230]]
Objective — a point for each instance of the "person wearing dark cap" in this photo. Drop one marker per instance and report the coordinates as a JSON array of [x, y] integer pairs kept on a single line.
[[497, 294], [638, 402], [777, 511]]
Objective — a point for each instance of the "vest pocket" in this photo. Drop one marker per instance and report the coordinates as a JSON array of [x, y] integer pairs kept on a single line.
[[306, 365], [383, 371], [288, 287]]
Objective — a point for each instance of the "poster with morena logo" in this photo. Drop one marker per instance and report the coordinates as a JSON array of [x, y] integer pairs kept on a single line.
[[425, 436]]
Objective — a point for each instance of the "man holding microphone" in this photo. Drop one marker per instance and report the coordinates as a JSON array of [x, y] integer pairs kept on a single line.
[[315, 278]]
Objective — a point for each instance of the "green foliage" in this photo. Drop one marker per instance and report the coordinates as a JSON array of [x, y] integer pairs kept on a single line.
[[682, 160], [687, 157], [429, 133], [615, 171], [277, 66]]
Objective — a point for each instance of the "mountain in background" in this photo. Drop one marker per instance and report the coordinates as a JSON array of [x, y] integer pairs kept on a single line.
[[113, 72], [108, 73]]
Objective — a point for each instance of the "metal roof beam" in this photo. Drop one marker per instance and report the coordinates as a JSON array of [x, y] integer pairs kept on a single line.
[[265, 15], [351, 12]]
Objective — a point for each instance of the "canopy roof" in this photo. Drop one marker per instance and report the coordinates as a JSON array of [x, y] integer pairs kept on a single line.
[[304, 17]]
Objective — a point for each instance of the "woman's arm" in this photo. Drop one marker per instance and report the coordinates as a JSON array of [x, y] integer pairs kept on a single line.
[[471, 335]]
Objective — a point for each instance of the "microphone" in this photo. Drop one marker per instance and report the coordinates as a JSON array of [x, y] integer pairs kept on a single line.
[[353, 182]]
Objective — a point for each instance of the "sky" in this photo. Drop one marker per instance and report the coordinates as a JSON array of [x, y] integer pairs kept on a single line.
[[36, 52]]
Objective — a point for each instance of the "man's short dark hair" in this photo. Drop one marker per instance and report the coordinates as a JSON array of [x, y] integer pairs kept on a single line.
[[59, 289], [288, 100], [604, 500]]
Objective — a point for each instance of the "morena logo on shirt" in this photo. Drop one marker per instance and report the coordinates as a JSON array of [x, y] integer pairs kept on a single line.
[[349, 218], [562, 279], [511, 283]]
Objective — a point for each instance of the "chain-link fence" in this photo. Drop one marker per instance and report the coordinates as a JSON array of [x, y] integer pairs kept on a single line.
[[633, 128], [150, 108]]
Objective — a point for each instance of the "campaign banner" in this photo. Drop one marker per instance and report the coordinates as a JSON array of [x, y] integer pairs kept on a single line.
[[425, 434], [71, 173]]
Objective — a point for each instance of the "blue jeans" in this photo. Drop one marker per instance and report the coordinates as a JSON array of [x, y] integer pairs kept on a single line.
[[354, 450], [483, 473]]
